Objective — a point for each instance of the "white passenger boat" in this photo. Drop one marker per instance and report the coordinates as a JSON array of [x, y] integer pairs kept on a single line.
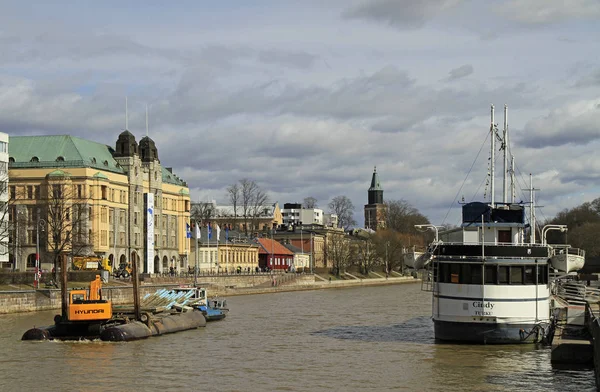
[[490, 284], [414, 259]]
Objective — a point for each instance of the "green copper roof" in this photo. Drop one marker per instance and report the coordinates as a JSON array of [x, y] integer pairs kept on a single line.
[[375, 185], [100, 175], [60, 151], [58, 173], [170, 178]]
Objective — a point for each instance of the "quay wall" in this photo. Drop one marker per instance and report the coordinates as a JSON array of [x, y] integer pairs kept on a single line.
[[48, 299]]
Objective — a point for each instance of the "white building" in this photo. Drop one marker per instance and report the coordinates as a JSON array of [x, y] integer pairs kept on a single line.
[[293, 214], [3, 200]]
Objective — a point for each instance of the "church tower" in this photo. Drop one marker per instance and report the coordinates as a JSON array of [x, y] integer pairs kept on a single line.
[[375, 210]]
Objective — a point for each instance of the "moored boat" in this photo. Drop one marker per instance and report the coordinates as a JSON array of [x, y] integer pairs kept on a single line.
[[489, 278]]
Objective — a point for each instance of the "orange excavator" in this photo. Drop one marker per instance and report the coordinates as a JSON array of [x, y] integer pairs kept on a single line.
[[88, 305], [87, 316]]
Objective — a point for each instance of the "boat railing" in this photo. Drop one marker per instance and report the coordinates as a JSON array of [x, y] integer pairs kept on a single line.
[[501, 244], [567, 249]]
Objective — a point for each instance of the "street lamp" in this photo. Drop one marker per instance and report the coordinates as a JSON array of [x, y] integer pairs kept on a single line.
[[547, 228], [39, 226], [387, 243]]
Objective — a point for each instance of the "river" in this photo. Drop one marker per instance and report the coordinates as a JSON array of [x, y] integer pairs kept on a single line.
[[357, 339]]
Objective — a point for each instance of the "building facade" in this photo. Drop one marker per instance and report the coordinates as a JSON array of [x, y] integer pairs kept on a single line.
[[255, 220], [375, 210], [116, 203]]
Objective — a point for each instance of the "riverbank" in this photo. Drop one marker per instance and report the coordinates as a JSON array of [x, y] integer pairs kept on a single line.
[[119, 292]]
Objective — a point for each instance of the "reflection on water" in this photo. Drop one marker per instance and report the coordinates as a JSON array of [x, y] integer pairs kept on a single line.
[[361, 339], [416, 330]]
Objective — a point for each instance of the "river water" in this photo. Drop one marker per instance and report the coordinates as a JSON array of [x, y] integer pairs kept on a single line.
[[357, 339]]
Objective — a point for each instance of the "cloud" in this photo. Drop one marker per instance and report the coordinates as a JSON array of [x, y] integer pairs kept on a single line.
[[543, 12], [572, 124], [460, 72], [408, 14]]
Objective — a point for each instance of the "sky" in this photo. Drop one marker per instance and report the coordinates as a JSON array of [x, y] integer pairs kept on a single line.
[[307, 97]]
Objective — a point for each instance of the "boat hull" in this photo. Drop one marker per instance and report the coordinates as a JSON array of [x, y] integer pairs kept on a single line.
[[487, 333]]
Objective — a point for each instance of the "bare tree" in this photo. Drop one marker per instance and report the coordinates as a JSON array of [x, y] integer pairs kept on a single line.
[[366, 252], [309, 202], [202, 212], [233, 192], [5, 201], [68, 216], [339, 252], [402, 217], [344, 209], [252, 199]]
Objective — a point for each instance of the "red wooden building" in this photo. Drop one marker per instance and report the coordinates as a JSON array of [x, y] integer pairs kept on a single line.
[[273, 255]]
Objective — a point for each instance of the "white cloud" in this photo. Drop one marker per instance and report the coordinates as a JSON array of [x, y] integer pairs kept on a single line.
[[540, 12]]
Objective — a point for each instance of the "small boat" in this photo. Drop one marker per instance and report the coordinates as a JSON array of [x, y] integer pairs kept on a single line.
[[414, 259], [567, 259], [196, 297]]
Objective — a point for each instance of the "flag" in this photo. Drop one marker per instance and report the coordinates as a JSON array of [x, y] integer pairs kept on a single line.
[[198, 234], [218, 232], [209, 232], [188, 233]]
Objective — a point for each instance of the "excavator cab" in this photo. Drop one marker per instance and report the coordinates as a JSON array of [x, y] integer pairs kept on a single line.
[[88, 305]]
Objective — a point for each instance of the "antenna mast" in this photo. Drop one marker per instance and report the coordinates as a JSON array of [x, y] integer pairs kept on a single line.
[[492, 156], [505, 142]]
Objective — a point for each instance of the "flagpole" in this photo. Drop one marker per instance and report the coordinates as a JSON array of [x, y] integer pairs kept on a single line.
[[196, 253]]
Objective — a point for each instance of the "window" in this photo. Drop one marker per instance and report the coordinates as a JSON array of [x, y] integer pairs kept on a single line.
[[137, 239], [516, 275], [111, 238], [503, 274], [103, 192], [57, 191], [29, 191], [103, 238], [530, 272], [80, 191], [13, 192], [135, 218], [36, 191], [60, 159], [103, 215], [476, 273], [110, 216], [122, 238], [491, 274], [122, 217], [504, 236]]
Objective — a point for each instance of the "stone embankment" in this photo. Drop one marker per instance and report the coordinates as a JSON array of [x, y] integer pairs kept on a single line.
[[48, 299]]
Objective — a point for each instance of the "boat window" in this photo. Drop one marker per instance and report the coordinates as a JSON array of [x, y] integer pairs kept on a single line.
[[504, 236], [465, 274], [516, 275], [491, 274], [454, 273], [503, 274], [476, 274], [444, 273], [542, 274], [530, 274]]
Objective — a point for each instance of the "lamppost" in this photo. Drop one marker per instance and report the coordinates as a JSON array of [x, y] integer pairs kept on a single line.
[[39, 226], [387, 243]]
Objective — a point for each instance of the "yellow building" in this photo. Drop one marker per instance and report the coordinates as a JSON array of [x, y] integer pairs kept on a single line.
[[86, 198]]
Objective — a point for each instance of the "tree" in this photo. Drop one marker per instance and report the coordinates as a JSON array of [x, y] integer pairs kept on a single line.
[[253, 201], [233, 191], [402, 217], [583, 223], [366, 254], [68, 220], [309, 202], [202, 212], [344, 209], [338, 251]]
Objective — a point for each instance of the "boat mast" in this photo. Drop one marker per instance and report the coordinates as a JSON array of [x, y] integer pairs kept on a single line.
[[492, 157], [512, 179], [532, 210], [505, 143]]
